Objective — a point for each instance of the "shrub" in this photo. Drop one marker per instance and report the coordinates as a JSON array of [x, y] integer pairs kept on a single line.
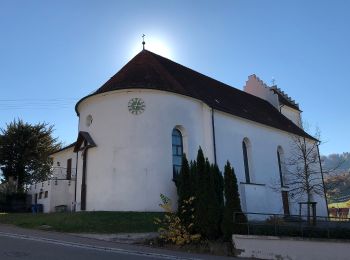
[[172, 229], [184, 191], [275, 220], [233, 220], [204, 181]]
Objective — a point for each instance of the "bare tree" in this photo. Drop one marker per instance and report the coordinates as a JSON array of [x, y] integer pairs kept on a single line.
[[304, 171]]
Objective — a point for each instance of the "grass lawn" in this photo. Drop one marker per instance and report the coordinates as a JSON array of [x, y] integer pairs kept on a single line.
[[86, 222]]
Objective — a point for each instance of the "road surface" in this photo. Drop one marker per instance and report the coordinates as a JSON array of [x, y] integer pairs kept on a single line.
[[18, 243]]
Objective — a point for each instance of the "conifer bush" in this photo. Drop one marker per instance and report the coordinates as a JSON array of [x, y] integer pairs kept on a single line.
[[208, 214], [233, 219], [184, 192], [204, 182]]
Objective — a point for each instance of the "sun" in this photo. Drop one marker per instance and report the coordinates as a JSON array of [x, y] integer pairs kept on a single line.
[[156, 45]]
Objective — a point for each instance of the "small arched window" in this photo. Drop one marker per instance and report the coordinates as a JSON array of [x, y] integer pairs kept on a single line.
[[177, 145], [280, 159], [88, 120], [245, 145]]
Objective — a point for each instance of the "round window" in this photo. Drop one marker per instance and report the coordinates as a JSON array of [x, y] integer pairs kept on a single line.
[[88, 120]]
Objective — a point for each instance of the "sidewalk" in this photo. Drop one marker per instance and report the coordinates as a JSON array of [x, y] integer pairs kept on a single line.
[[124, 238]]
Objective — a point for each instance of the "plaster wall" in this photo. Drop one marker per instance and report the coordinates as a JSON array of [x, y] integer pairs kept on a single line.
[[41, 187], [264, 247], [60, 192], [60, 162], [258, 88], [292, 114], [132, 163], [264, 141]]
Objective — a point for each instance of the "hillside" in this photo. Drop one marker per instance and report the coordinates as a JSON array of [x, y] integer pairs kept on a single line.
[[337, 176]]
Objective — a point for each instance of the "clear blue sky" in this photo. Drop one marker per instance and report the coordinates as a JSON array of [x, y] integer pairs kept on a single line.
[[54, 52]]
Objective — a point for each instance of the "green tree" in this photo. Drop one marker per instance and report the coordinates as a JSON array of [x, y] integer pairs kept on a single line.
[[219, 196], [25, 150], [184, 191], [202, 194], [232, 205], [204, 181], [216, 201], [208, 200]]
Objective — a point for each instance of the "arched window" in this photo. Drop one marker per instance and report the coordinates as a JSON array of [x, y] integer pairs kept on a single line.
[[280, 160], [177, 145], [246, 160]]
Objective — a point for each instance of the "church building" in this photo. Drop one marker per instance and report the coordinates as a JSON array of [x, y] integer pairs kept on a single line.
[[134, 129]]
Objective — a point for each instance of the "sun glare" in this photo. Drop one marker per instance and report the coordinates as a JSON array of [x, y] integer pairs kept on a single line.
[[156, 45], [160, 47]]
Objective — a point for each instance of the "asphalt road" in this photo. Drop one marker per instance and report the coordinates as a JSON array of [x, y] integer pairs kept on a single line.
[[14, 248], [17, 243]]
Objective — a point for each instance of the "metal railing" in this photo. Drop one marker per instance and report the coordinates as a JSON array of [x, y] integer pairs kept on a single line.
[[291, 225]]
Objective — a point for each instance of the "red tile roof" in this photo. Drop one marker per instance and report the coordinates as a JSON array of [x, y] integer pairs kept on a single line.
[[148, 70]]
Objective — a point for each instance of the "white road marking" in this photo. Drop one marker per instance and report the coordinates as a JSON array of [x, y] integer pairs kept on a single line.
[[92, 247]]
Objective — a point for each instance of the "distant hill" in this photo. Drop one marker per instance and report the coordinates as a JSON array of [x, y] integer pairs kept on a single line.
[[337, 176], [339, 161]]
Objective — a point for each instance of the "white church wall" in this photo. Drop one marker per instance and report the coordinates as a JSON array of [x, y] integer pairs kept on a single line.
[[133, 157], [264, 197], [255, 199], [132, 163], [230, 132], [292, 114]]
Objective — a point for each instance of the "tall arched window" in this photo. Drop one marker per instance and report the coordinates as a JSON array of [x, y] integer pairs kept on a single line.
[[280, 160], [177, 145], [246, 160]]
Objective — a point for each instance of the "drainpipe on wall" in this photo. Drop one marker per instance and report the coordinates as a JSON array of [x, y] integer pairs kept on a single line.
[[76, 180], [83, 177], [324, 187], [213, 128]]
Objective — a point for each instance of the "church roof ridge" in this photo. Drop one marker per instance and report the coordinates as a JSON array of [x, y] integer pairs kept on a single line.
[[148, 70]]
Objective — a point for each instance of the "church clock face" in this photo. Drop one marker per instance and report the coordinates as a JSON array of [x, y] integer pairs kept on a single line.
[[136, 106]]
